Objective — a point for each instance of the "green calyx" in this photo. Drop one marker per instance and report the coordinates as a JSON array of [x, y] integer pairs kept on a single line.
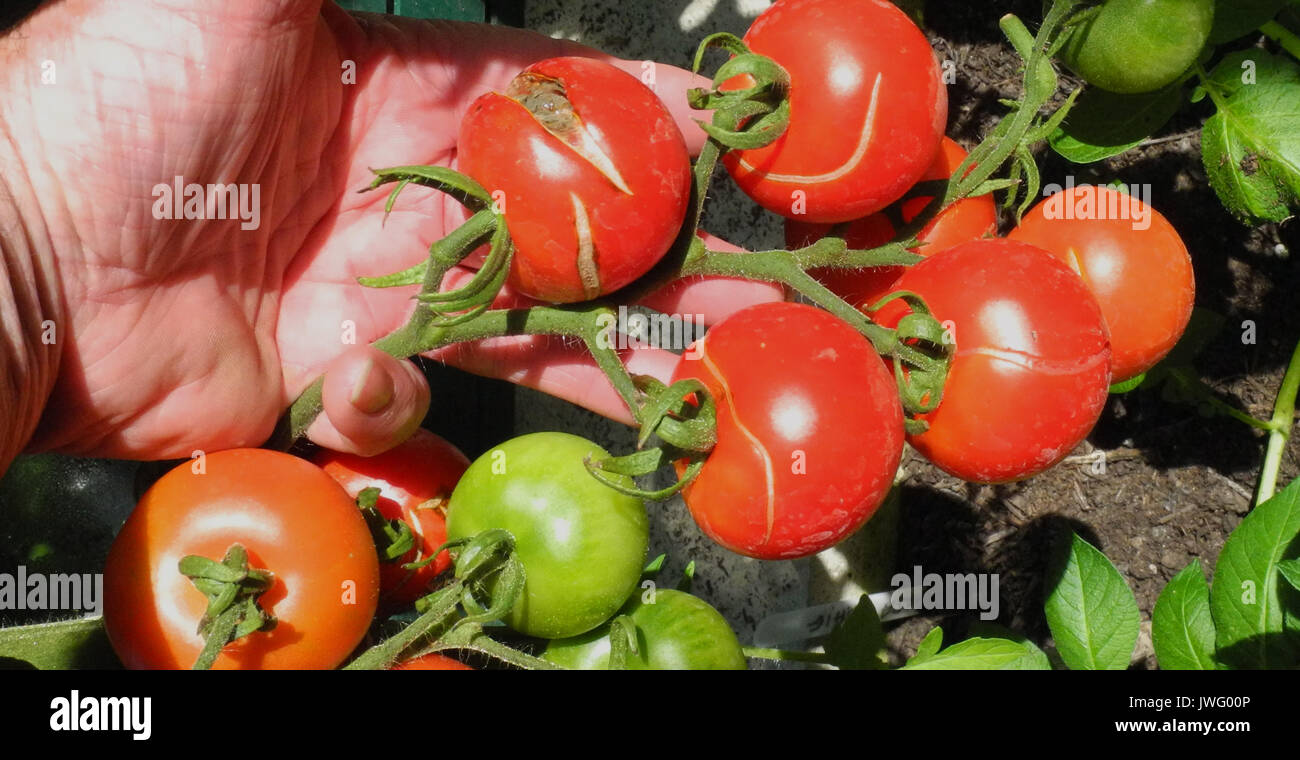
[[232, 588]]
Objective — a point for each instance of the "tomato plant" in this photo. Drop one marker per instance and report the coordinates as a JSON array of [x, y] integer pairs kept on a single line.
[[433, 661], [590, 170], [415, 480], [1031, 371], [674, 631], [293, 520], [810, 431], [582, 544], [1132, 46], [1132, 260], [867, 109], [967, 219]]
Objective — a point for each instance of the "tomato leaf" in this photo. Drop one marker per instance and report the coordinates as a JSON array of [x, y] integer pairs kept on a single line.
[[1250, 146], [1290, 570], [929, 645], [1036, 656], [1124, 386], [1104, 124], [1237, 18], [1182, 629], [979, 654], [1249, 604], [857, 643], [1092, 612], [61, 645]]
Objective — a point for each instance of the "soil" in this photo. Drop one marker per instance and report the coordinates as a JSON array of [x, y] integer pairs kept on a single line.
[[1175, 483]]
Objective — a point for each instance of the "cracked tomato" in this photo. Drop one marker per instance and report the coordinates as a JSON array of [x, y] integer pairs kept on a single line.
[[810, 431], [590, 171], [1032, 366], [867, 109]]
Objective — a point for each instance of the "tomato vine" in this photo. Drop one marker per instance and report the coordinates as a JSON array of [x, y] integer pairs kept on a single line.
[[742, 119]]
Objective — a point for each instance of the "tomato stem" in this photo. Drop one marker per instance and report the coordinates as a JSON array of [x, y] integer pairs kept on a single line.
[[472, 638], [232, 587], [1282, 421], [1284, 37], [428, 625]]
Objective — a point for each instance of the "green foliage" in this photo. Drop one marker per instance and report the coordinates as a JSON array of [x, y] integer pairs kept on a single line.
[[1182, 630], [1250, 146], [1091, 611]]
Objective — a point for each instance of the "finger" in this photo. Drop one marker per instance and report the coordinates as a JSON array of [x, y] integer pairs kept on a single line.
[[371, 402], [557, 367]]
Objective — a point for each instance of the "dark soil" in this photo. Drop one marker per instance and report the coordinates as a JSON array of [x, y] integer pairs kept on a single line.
[[1175, 483]]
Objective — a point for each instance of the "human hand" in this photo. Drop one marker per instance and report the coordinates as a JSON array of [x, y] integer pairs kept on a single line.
[[177, 335]]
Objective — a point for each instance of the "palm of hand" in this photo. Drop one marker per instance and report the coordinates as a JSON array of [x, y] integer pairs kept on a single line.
[[194, 334]]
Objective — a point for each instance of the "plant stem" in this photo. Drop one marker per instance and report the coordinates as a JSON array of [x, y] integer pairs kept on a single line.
[[1282, 422], [384, 654], [1188, 382], [471, 637], [786, 655], [1284, 37]]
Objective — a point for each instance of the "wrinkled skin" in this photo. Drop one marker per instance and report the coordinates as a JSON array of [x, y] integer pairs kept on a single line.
[[183, 335]]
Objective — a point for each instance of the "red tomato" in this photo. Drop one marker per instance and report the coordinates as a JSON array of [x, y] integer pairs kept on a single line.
[[810, 431], [867, 109], [1032, 365], [432, 661], [967, 219], [1132, 260], [590, 169], [415, 479], [293, 520]]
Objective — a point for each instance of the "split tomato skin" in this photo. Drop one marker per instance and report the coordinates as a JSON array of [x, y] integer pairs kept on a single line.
[[810, 431], [1031, 370], [867, 109], [583, 224], [967, 219], [415, 480], [293, 520], [1142, 278]]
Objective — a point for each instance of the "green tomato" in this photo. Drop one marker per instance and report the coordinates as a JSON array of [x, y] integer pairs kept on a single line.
[[582, 544], [674, 631], [1135, 46]]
